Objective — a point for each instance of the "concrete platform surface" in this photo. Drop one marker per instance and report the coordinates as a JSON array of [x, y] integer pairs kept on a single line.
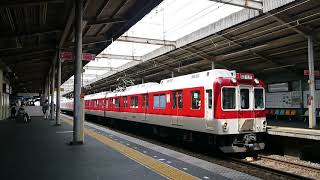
[[293, 128], [39, 151], [196, 167]]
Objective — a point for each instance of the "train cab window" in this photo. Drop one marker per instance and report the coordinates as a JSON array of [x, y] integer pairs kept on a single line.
[[209, 96], [258, 98], [145, 101], [117, 102], [244, 98], [159, 101], [125, 102], [229, 98], [134, 102], [195, 99]]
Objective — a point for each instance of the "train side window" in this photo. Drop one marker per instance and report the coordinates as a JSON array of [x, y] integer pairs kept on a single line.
[[107, 100], [125, 102], [195, 99], [145, 101], [209, 95], [244, 98], [174, 100], [229, 98], [134, 102], [159, 101], [117, 102]]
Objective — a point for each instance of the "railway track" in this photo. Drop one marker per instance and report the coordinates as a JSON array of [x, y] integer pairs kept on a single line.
[[255, 168], [285, 170]]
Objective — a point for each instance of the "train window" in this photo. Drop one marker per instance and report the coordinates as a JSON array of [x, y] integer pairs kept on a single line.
[[134, 102], [125, 102], [195, 99], [258, 98], [209, 95], [117, 102], [107, 100], [180, 101], [145, 101], [159, 101], [229, 98], [244, 98], [174, 100]]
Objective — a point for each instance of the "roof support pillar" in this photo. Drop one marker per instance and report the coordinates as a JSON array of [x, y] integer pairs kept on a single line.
[[77, 134], [312, 98], [58, 121], [52, 91], [212, 65]]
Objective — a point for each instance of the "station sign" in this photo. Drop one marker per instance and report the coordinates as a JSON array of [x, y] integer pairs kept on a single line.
[[69, 56], [307, 73]]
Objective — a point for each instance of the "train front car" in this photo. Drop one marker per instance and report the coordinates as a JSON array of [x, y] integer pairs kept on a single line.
[[239, 113]]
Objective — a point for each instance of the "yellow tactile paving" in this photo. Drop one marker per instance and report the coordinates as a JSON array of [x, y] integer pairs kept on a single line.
[[147, 161]]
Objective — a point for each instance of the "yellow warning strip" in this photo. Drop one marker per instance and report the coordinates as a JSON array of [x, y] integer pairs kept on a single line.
[[147, 161]]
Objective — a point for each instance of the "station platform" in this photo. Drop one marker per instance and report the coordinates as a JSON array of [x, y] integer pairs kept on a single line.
[[40, 150], [293, 128]]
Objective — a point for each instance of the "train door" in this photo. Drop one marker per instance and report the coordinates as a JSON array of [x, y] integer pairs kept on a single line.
[[174, 96], [177, 105], [246, 114], [145, 105], [209, 109]]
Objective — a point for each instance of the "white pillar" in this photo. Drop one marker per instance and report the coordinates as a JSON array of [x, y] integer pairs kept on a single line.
[[52, 92], [58, 122], [77, 75], [312, 98]]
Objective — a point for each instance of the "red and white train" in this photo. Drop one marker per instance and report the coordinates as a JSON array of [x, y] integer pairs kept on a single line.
[[227, 106]]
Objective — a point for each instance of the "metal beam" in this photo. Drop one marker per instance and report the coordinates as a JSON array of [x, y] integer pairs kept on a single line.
[[67, 28], [287, 21], [99, 21], [36, 33], [13, 4], [142, 40], [249, 4], [100, 68], [120, 57]]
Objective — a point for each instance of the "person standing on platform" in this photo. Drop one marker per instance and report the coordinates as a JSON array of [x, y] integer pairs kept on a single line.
[[45, 109]]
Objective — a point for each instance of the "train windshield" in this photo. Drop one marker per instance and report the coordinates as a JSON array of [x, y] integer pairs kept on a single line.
[[245, 98], [259, 98], [229, 98]]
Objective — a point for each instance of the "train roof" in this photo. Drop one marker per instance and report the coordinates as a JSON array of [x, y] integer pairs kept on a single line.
[[200, 79]]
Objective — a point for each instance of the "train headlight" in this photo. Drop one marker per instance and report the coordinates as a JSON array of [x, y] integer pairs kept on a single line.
[[233, 80], [264, 124], [225, 127], [256, 81]]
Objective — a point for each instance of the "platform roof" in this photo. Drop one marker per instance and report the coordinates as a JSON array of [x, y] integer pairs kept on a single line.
[[267, 42], [33, 31]]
